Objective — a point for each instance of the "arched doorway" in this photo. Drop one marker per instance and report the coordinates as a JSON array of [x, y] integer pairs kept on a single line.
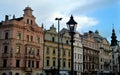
[[4, 74], [17, 74]]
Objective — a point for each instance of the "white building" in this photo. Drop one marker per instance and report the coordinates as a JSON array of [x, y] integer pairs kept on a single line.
[[78, 54]]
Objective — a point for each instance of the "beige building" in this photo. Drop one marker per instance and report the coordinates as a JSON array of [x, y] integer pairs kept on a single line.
[[105, 57], [21, 45], [105, 52], [90, 54], [51, 52]]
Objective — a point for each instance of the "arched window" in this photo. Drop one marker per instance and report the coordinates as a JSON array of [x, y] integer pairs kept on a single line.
[[27, 21], [4, 74], [31, 22], [17, 74]]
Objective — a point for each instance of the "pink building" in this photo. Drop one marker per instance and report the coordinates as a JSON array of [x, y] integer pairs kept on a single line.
[[21, 45]]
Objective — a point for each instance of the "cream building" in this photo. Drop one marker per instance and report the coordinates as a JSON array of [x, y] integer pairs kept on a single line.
[[21, 45]]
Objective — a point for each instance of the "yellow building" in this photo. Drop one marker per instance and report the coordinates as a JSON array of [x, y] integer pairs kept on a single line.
[[51, 52]]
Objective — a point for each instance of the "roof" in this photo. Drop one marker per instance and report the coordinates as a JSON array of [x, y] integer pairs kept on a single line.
[[71, 21]]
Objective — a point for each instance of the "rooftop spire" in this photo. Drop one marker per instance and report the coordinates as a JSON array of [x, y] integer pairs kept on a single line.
[[114, 38]]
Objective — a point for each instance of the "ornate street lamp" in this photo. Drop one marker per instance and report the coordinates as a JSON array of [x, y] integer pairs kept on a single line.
[[71, 24], [58, 19]]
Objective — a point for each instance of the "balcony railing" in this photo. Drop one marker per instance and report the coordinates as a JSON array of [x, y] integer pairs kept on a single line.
[[5, 55], [27, 69]]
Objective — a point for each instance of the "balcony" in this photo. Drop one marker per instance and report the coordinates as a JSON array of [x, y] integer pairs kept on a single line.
[[30, 56], [106, 63], [27, 69], [53, 56], [37, 57], [5, 55], [18, 55]]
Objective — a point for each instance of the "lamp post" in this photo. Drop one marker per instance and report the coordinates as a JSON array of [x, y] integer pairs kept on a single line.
[[71, 24], [58, 19]]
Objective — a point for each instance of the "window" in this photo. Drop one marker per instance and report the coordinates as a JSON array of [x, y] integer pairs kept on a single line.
[[101, 59], [25, 50], [5, 49], [47, 62], [101, 67], [64, 53], [31, 38], [75, 55], [19, 36], [17, 63], [4, 74], [6, 35], [18, 49], [25, 63], [78, 56], [37, 51], [32, 63], [27, 21], [53, 62], [29, 62], [92, 66], [69, 64], [38, 40], [53, 39], [27, 37], [31, 22], [53, 51], [10, 73], [67, 42], [47, 51], [32, 51], [37, 64], [63, 63], [69, 53], [5, 63]]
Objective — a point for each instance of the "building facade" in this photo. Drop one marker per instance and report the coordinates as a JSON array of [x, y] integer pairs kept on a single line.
[[105, 57], [51, 52], [78, 54], [115, 53], [90, 54], [21, 47]]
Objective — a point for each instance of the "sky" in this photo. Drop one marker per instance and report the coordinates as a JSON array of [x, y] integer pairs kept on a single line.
[[101, 15]]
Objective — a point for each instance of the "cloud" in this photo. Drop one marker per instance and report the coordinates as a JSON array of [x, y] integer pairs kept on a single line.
[[46, 11]]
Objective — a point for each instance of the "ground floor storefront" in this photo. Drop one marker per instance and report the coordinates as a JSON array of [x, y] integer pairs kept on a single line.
[[55, 72]]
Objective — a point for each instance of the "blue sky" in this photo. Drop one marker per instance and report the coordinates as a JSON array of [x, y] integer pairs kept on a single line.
[[90, 14]]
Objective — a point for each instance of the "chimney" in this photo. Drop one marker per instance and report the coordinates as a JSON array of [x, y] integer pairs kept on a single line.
[[6, 17]]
